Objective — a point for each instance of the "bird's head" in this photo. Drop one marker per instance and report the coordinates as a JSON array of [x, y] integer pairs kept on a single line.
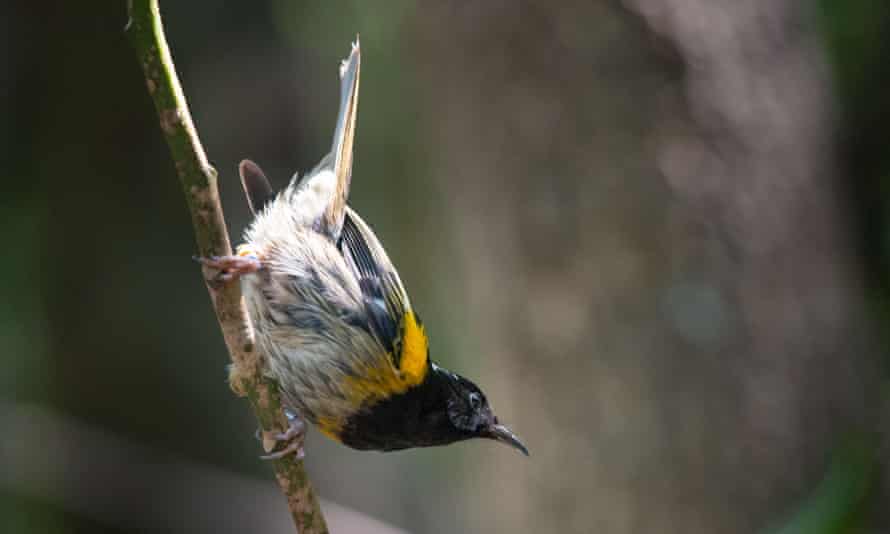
[[470, 415]]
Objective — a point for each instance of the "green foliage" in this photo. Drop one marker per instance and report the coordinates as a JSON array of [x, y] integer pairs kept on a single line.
[[839, 503]]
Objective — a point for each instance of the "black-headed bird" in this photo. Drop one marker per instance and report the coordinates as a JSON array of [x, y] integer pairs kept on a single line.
[[332, 318]]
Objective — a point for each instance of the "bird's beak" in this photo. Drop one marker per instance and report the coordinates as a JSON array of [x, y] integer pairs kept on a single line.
[[506, 436]]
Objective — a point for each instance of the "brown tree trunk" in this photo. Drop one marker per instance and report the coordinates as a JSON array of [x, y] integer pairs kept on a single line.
[[659, 282]]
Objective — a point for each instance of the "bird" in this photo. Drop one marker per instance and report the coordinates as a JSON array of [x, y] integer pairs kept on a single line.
[[333, 320]]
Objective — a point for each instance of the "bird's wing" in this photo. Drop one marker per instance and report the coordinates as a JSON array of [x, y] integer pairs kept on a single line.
[[390, 315]]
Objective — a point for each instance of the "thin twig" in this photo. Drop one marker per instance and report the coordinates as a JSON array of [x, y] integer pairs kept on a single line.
[[198, 180]]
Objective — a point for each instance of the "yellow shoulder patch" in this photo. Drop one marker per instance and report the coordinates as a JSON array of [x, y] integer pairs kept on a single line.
[[415, 349], [330, 427], [381, 379]]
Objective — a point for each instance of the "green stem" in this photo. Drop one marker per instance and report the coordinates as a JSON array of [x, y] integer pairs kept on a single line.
[[198, 181]]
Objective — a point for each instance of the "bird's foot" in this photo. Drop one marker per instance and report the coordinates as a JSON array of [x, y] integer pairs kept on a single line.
[[294, 436], [230, 267]]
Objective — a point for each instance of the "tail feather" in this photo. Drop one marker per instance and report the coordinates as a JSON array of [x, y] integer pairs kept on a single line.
[[341, 150], [256, 186], [318, 199]]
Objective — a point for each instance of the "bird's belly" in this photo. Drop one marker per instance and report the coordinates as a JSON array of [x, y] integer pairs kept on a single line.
[[316, 346]]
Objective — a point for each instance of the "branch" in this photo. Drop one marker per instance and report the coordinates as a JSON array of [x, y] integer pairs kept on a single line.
[[198, 181]]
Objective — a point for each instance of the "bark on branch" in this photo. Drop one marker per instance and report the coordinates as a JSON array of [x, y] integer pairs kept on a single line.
[[198, 181]]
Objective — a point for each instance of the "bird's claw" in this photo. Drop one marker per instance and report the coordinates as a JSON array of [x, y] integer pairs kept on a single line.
[[229, 267], [294, 436], [295, 447]]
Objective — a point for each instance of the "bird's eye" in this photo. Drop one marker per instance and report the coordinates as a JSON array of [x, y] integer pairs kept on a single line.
[[475, 401]]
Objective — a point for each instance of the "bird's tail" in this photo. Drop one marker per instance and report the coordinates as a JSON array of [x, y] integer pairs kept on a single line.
[[256, 186], [344, 134], [318, 199]]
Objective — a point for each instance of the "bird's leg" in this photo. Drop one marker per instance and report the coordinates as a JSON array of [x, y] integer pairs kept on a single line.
[[231, 267], [294, 435]]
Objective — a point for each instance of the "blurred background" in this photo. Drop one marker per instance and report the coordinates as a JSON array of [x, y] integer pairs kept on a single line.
[[656, 231]]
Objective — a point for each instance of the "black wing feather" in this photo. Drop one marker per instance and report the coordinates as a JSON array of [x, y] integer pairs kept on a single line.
[[358, 248], [375, 305], [382, 301]]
